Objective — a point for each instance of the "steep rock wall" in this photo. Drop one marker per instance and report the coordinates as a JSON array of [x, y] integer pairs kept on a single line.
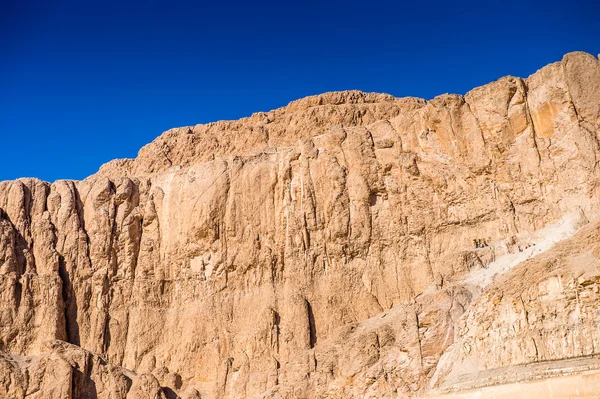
[[229, 252]]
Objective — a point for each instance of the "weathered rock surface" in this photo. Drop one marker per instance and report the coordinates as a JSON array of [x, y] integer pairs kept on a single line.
[[324, 249], [66, 371]]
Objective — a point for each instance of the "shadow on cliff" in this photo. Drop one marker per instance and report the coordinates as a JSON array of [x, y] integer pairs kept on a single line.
[[312, 327], [169, 393], [20, 248], [83, 385], [70, 303]]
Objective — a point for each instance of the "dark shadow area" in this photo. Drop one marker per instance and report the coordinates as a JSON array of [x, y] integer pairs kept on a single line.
[[106, 336], [83, 386], [70, 303], [169, 393], [311, 325], [373, 199], [21, 245], [18, 293], [21, 250]]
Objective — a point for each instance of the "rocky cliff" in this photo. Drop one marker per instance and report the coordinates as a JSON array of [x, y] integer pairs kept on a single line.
[[323, 249]]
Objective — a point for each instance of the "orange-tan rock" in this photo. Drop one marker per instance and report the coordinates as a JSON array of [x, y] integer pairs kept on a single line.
[[323, 249]]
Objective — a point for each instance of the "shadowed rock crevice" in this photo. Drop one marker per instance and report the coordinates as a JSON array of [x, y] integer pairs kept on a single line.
[[70, 304], [312, 327]]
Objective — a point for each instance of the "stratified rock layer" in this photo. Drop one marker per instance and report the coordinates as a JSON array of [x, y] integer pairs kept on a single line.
[[324, 249]]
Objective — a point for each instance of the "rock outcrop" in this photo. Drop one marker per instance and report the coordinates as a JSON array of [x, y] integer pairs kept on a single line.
[[323, 249]]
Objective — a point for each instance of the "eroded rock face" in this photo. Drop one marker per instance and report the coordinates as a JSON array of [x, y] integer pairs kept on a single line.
[[543, 312], [66, 371], [318, 249]]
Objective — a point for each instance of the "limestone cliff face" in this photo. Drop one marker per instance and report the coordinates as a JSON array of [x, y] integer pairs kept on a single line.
[[321, 249]]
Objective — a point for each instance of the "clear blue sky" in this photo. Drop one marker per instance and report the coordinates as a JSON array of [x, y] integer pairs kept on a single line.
[[83, 82]]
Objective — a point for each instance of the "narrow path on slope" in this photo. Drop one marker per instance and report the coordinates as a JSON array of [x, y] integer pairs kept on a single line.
[[539, 242]]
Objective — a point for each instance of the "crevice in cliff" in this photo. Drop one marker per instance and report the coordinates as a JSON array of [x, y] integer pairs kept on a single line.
[[537, 354], [477, 122], [275, 330], [18, 292], [20, 245], [419, 338], [427, 245], [140, 229], [69, 303], [106, 335], [515, 218], [111, 255], [530, 120], [28, 219], [82, 384], [568, 91], [451, 125], [312, 328], [228, 366]]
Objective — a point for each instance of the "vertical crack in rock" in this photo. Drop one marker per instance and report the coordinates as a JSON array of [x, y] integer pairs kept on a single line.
[[531, 123], [70, 303], [18, 293], [312, 328], [418, 327]]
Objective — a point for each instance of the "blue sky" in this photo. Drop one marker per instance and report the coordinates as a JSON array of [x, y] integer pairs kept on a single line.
[[83, 82]]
